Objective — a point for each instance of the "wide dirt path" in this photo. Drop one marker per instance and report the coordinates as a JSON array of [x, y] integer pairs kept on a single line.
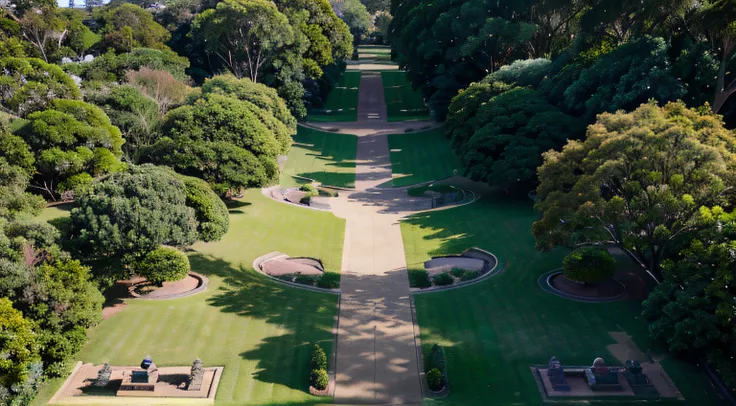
[[376, 350]]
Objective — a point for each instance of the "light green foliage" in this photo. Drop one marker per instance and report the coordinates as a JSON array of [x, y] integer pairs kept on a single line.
[[60, 300], [328, 158], [422, 157], [79, 39], [524, 72], [209, 209], [319, 358], [588, 265], [128, 214], [356, 16], [17, 344], [112, 68], [262, 100], [164, 264], [508, 134], [614, 186], [223, 140], [71, 138], [126, 26], [256, 93], [320, 379], [30, 84], [246, 35]]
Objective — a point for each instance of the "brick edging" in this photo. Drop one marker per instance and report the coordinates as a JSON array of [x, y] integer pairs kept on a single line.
[[201, 287]]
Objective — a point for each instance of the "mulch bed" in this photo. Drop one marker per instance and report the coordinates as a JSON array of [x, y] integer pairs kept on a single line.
[[602, 290]]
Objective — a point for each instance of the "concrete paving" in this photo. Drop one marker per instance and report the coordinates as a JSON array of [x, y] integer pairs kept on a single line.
[[376, 347]]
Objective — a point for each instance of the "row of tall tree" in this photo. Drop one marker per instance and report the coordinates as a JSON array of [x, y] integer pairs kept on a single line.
[[617, 113], [446, 45]]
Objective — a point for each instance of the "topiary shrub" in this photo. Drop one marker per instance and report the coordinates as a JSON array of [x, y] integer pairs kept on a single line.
[[589, 265], [163, 264], [436, 358], [442, 279], [329, 280], [319, 358], [434, 379], [419, 278], [320, 379]]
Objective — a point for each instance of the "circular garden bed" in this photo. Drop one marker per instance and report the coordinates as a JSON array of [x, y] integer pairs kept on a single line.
[[298, 271], [557, 283], [141, 288]]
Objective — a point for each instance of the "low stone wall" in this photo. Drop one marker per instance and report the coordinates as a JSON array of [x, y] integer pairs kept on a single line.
[[473, 252], [257, 266], [201, 287]]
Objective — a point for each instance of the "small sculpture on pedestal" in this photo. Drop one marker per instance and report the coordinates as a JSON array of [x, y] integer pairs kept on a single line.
[[196, 376]]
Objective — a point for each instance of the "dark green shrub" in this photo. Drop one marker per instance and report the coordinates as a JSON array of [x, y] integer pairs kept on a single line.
[[419, 278], [320, 379], [469, 275], [434, 379], [209, 209], [311, 190], [163, 264], [442, 279], [319, 358], [306, 279], [458, 272], [305, 200], [436, 358], [329, 280], [589, 265]]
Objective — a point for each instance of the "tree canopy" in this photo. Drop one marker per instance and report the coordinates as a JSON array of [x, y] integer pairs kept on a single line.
[[30, 84], [126, 26], [638, 179]]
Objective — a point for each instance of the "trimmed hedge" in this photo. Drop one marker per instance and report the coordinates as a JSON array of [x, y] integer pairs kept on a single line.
[[589, 265], [319, 358], [320, 379], [329, 280], [436, 366], [164, 264]]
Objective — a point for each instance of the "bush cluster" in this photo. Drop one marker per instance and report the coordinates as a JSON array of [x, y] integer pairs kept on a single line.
[[163, 264], [442, 279], [329, 280], [419, 278], [318, 377], [589, 265], [434, 379]]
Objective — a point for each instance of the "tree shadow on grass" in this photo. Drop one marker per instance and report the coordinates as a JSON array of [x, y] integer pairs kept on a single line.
[[234, 206], [331, 178], [307, 317]]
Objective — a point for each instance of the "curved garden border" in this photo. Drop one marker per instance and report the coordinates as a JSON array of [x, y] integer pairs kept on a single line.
[[264, 258], [267, 192], [497, 269], [546, 286], [201, 287]]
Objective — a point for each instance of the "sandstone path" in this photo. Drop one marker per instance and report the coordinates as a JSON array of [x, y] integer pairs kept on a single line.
[[376, 347]]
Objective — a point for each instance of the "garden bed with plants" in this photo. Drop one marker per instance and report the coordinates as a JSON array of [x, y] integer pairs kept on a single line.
[[297, 271], [455, 270], [587, 275], [436, 372]]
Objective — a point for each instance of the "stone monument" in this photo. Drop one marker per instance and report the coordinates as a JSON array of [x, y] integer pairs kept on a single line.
[[103, 375], [196, 376], [601, 377], [556, 375]]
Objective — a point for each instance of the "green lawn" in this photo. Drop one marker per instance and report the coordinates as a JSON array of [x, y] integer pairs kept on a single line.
[[402, 102], [494, 330], [421, 157], [343, 97], [260, 331], [328, 158], [53, 212]]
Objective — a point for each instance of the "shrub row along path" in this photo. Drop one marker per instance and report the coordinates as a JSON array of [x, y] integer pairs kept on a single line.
[[376, 348]]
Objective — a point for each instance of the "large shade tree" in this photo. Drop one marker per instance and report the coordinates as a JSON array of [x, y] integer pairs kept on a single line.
[[125, 26], [73, 142], [638, 179], [245, 35], [128, 214]]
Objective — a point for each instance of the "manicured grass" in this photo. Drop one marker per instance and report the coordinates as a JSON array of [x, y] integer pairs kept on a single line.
[[402, 102], [342, 102], [328, 158], [421, 157], [56, 211], [494, 330], [260, 331]]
